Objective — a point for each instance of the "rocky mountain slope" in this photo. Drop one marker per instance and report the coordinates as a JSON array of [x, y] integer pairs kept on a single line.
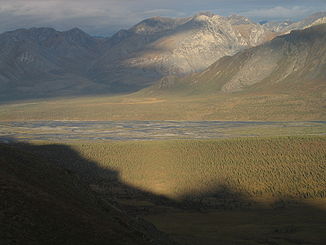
[[287, 63], [163, 46]]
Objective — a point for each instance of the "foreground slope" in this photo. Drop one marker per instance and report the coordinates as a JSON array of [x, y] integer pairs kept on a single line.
[[230, 191], [44, 204]]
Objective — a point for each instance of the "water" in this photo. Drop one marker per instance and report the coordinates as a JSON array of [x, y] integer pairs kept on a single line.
[[151, 130]]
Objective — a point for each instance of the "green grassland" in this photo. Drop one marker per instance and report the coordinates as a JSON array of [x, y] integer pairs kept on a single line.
[[148, 105]]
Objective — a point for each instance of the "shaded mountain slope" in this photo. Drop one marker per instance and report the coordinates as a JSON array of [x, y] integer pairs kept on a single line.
[[42, 62], [44, 204], [288, 63]]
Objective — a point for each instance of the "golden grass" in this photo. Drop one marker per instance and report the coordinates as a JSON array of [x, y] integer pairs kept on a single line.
[[258, 168], [142, 106]]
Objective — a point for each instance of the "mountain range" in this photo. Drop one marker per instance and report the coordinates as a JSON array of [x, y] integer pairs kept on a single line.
[[287, 63], [287, 26], [162, 46], [43, 62]]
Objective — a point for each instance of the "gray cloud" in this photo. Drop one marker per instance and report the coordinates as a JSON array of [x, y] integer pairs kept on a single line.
[[104, 17]]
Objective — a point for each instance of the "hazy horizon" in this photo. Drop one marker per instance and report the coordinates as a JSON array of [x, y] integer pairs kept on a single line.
[[103, 18]]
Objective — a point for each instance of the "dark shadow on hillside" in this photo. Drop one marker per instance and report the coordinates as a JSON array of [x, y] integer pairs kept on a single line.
[[107, 185], [44, 201], [104, 181]]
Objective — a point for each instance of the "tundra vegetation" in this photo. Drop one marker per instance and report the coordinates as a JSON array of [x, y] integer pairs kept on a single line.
[[267, 168], [232, 191]]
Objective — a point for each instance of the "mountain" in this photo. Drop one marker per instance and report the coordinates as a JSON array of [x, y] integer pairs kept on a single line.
[[287, 26], [42, 203], [42, 62], [292, 62], [164, 46], [113, 66]]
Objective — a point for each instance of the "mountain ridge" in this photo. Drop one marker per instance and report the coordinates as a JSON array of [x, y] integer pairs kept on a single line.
[[43, 62], [288, 60], [192, 45], [287, 26]]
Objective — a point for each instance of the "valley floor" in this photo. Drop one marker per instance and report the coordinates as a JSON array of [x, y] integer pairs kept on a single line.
[[144, 106]]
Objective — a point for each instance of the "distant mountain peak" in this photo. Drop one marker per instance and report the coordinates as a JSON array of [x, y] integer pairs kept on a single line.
[[153, 25], [288, 25], [35, 33], [76, 34], [239, 20], [207, 14], [31, 30], [206, 19], [41, 29], [76, 30]]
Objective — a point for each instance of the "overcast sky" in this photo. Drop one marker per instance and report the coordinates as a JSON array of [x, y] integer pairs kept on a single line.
[[104, 17]]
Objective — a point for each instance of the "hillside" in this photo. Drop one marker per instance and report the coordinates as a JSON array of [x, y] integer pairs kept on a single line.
[[45, 204], [291, 64], [222, 191], [258, 168]]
